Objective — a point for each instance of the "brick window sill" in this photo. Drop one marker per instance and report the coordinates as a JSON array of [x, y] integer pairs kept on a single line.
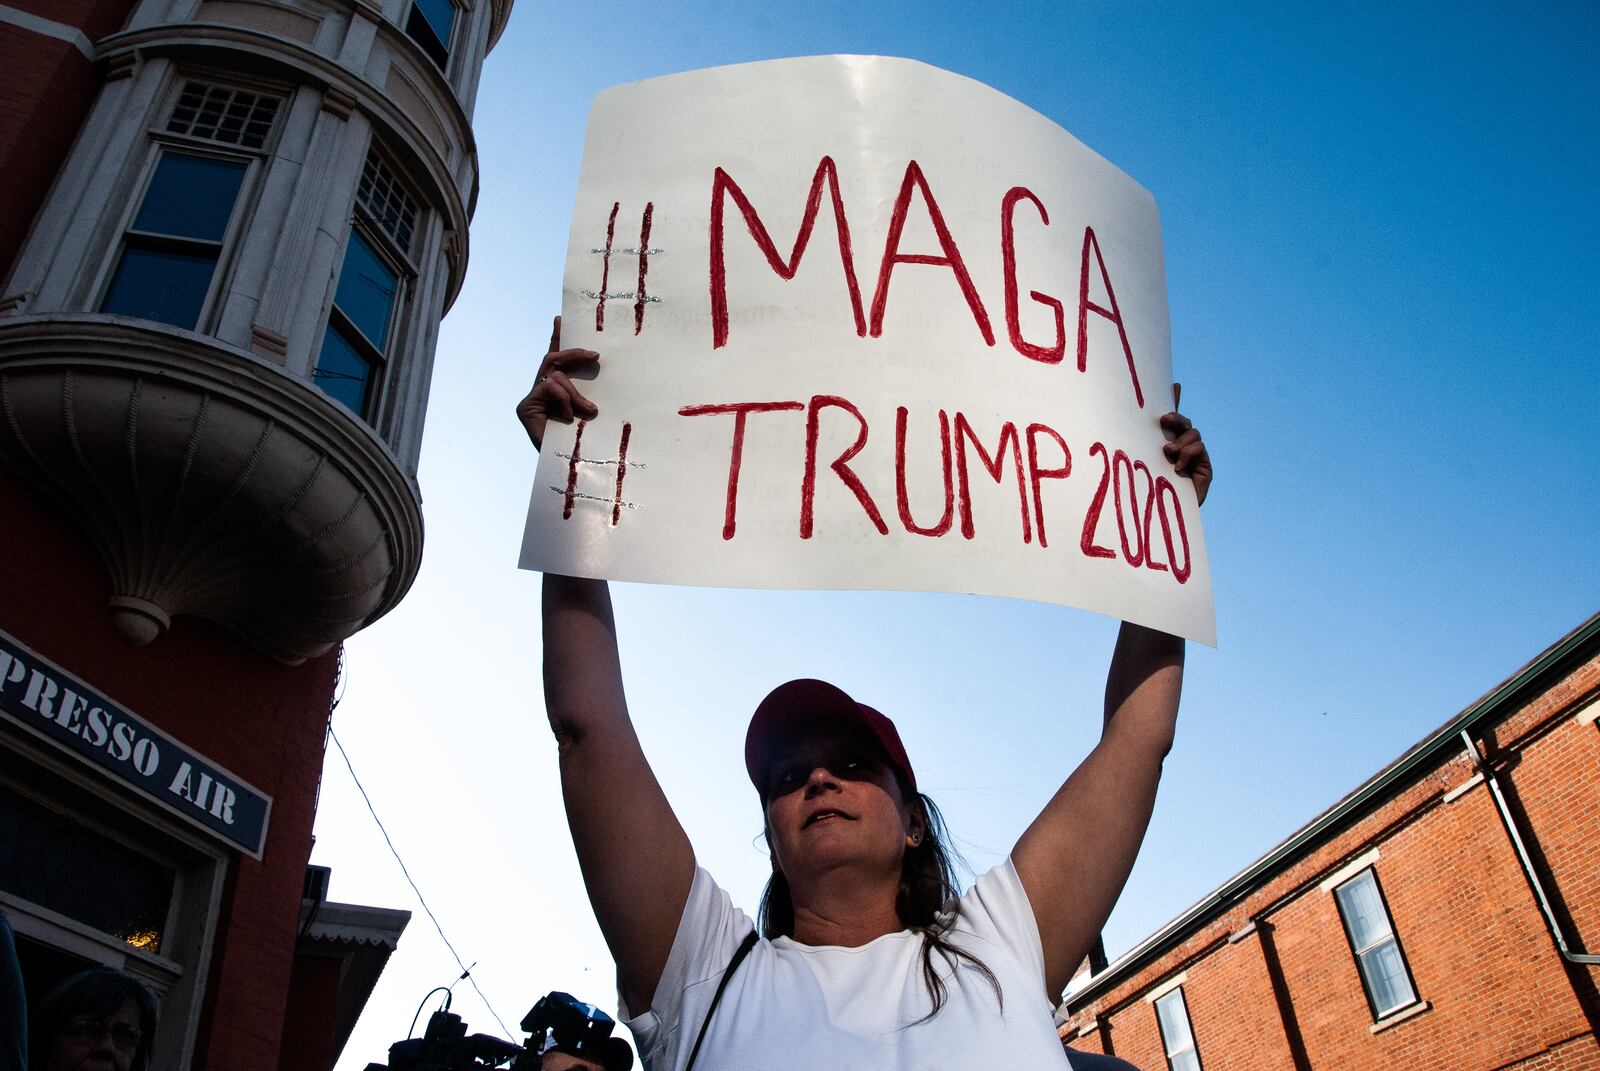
[[1395, 1018]]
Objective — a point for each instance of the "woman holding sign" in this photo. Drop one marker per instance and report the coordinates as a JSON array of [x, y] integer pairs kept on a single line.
[[866, 958]]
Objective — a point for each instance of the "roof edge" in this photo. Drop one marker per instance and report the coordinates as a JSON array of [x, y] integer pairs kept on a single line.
[[1330, 822], [352, 923]]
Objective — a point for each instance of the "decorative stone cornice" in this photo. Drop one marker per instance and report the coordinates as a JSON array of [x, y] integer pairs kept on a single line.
[[121, 66], [337, 102], [500, 15], [209, 482], [455, 251]]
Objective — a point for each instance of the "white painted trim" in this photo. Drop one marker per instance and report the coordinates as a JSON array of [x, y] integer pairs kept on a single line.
[[1464, 787], [1244, 931], [68, 934], [1349, 870], [1088, 1028], [1399, 1016], [200, 867], [49, 28], [1590, 713], [1165, 987]]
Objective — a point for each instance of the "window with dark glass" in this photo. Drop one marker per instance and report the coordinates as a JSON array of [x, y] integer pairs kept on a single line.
[[167, 261], [56, 862], [170, 253], [358, 327], [1177, 1035], [361, 324], [429, 24], [1382, 964], [384, 197], [222, 114]]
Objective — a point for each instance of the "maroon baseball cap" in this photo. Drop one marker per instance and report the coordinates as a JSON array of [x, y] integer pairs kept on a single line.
[[807, 703]]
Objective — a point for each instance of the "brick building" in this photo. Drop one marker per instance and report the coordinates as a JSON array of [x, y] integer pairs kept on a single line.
[[228, 232], [1439, 916]]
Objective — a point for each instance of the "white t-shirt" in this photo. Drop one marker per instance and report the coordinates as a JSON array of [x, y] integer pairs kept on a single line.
[[803, 1007]]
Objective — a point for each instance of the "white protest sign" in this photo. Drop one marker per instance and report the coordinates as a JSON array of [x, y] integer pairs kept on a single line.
[[866, 324]]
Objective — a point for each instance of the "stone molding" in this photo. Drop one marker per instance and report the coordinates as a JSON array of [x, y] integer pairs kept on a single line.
[[209, 482], [268, 343], [337, 102], [121, 66], [500, 15]]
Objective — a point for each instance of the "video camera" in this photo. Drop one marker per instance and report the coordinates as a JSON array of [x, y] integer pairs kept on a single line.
[[561, 1021], [557, 1021]]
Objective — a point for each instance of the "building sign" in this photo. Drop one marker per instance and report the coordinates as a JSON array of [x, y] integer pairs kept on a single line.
[[864, 323], [46, 700]]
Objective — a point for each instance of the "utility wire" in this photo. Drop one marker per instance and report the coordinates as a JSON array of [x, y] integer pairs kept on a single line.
[[466, 972]]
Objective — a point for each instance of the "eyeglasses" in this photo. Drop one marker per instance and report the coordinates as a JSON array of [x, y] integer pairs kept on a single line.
[[123, 1036]]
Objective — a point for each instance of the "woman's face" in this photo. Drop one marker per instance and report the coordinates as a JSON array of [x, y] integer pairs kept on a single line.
[[833, 800], [90, 1042]]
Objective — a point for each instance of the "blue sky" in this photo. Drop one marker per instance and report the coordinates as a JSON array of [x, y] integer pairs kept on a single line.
[[1381, 231]]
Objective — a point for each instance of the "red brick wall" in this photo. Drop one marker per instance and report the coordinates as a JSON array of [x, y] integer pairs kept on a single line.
[[95, 18], [1479, 950], [1554, 786], [46, 93], [1233, 976], [261, 720], [1217, 986], [1093, 1041], [1579, 1054], [313, 997], [48, 88]]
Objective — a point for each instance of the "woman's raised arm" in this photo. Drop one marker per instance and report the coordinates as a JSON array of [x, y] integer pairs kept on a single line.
[[1076, 856], [637, 863]]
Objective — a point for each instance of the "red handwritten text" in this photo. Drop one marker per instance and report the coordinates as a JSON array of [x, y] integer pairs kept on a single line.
[[725, 187], [1147, 500]]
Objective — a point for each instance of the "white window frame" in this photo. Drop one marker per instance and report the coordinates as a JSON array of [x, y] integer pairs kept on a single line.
[[160, 145], [1193, 1047], [161, 141], [178, 974], [1370, 873]]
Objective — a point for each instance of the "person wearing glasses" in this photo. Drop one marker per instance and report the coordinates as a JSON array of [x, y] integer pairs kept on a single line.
[[863, 954], [98, 1020]]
